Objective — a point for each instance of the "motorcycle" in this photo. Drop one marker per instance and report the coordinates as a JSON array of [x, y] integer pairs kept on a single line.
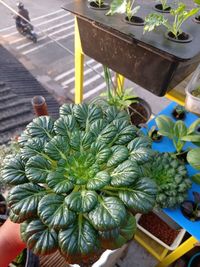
[[26, 30]]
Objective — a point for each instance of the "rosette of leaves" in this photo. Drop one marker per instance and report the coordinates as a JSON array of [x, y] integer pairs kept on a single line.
[[77, 180], [171, 177]]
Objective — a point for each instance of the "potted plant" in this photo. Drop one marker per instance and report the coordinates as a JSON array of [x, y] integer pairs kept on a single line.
[[191, 209], [122, 47], [197, 17], [154, 134], [126, 7], [124, 99], [162, 7], [98, 4], [179, 112], [77, 182], [178, 133], [174, 31], [192, 101]]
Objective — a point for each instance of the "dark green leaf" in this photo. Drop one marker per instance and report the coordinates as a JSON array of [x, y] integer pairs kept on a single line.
[[33, 148], [41, 127], [54, 213], [78, 240], [99, 181], [108, 214], [126, 134], [101, 151], [37, 168], [120, 154], [59, 182], [57, 148], [66, 109], [14, 171], [108, 134], [125, 174], [140, 150], [140, 197], [40, 238], [23, 199], [112, 113], [64, 126], [82, 201]]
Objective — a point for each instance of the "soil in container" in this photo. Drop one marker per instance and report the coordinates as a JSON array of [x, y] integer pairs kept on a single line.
[[179, 112], [137, 21], [139, 113], [182, 156], [155, 136], [182, 38], [196, 92], [95, 6], [197, 19], [159, 8], [152, 223]]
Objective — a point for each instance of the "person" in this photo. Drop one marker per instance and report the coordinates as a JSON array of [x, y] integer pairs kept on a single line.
[[10, 242], [22, 12]]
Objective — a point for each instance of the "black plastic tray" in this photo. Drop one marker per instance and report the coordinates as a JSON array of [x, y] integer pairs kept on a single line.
[[150, 60]]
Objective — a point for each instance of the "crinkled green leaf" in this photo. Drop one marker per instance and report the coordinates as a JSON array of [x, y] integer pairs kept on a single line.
[[108, 214], [126, 134], [101, 151], [82, 201], [108, 134], [37, 168], [16, 218], [98, 126], [140, 197], [99, 181], [34, 147], [59, 182], [112, 113], [140, 150], [78, 240], [86, 114], [57, 148], [41, 127], [53, 212], [66, 109], [14, 171], [23, 199], [41, 239], [120, 154], [125, 174], [65, 125]]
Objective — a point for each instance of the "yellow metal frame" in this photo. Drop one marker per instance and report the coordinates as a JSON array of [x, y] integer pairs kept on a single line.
[[172, 95]]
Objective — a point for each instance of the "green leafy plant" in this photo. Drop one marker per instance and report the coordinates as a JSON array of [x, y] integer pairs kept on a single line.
[[171, 177], [178, 131], [77, 180], [179, 112], [123, 7], [164, 4], [118, 97], [180, 15], [196, 92], [99, 3]]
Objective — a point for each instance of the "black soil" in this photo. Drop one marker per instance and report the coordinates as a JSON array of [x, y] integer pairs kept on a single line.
[[138, 114], [135, 20], [159, 7], [182, 37]]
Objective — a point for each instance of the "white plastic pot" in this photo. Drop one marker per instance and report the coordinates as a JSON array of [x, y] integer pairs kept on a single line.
[[108, 258], [192, 103]]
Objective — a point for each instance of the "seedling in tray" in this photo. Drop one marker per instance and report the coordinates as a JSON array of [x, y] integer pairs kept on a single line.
[[174, 30]]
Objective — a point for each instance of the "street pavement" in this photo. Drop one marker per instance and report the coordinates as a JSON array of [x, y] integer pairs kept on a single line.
[[53, 56]]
